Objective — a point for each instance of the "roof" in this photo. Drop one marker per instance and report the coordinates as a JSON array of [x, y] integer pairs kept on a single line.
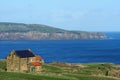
[[24, 53], [38, 58], [35, 63]]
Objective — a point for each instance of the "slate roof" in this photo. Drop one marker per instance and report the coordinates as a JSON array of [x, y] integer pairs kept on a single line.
[[24, 53]]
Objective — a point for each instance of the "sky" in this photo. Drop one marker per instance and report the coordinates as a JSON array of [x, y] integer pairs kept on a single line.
[[85, 15]]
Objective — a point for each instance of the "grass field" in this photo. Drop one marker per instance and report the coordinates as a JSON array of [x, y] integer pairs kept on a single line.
[[63, 71], [23, 76]]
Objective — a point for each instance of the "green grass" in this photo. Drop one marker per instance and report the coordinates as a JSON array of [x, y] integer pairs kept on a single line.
[[23, 76], [51, 69], [84, 77]]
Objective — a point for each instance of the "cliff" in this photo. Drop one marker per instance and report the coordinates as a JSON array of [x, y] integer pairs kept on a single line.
[[19, 31]]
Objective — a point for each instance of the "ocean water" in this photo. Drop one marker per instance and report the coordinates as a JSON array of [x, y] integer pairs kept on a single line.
[[71, 51]]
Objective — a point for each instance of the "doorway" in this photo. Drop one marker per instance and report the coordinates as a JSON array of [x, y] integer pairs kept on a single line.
[[32, 69]]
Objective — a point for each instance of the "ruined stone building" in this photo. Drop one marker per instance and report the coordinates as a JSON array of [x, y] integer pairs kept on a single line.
[[24, 61]]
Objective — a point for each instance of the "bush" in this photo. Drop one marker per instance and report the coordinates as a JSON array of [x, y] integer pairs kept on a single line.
[[3, 66]]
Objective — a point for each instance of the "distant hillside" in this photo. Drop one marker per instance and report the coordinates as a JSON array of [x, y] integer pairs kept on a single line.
[[20, 27], [20, 31]]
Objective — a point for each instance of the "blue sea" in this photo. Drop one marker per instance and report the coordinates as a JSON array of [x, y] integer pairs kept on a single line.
[[71, 51]]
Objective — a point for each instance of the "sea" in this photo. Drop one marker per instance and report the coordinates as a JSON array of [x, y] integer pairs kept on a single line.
[[70, 51]]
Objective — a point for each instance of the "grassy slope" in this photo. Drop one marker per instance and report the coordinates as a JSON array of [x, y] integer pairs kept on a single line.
[[19, 27], [22, 76], [59, 72]]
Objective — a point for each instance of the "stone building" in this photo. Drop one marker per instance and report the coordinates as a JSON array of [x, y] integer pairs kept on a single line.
[[24, 61]]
